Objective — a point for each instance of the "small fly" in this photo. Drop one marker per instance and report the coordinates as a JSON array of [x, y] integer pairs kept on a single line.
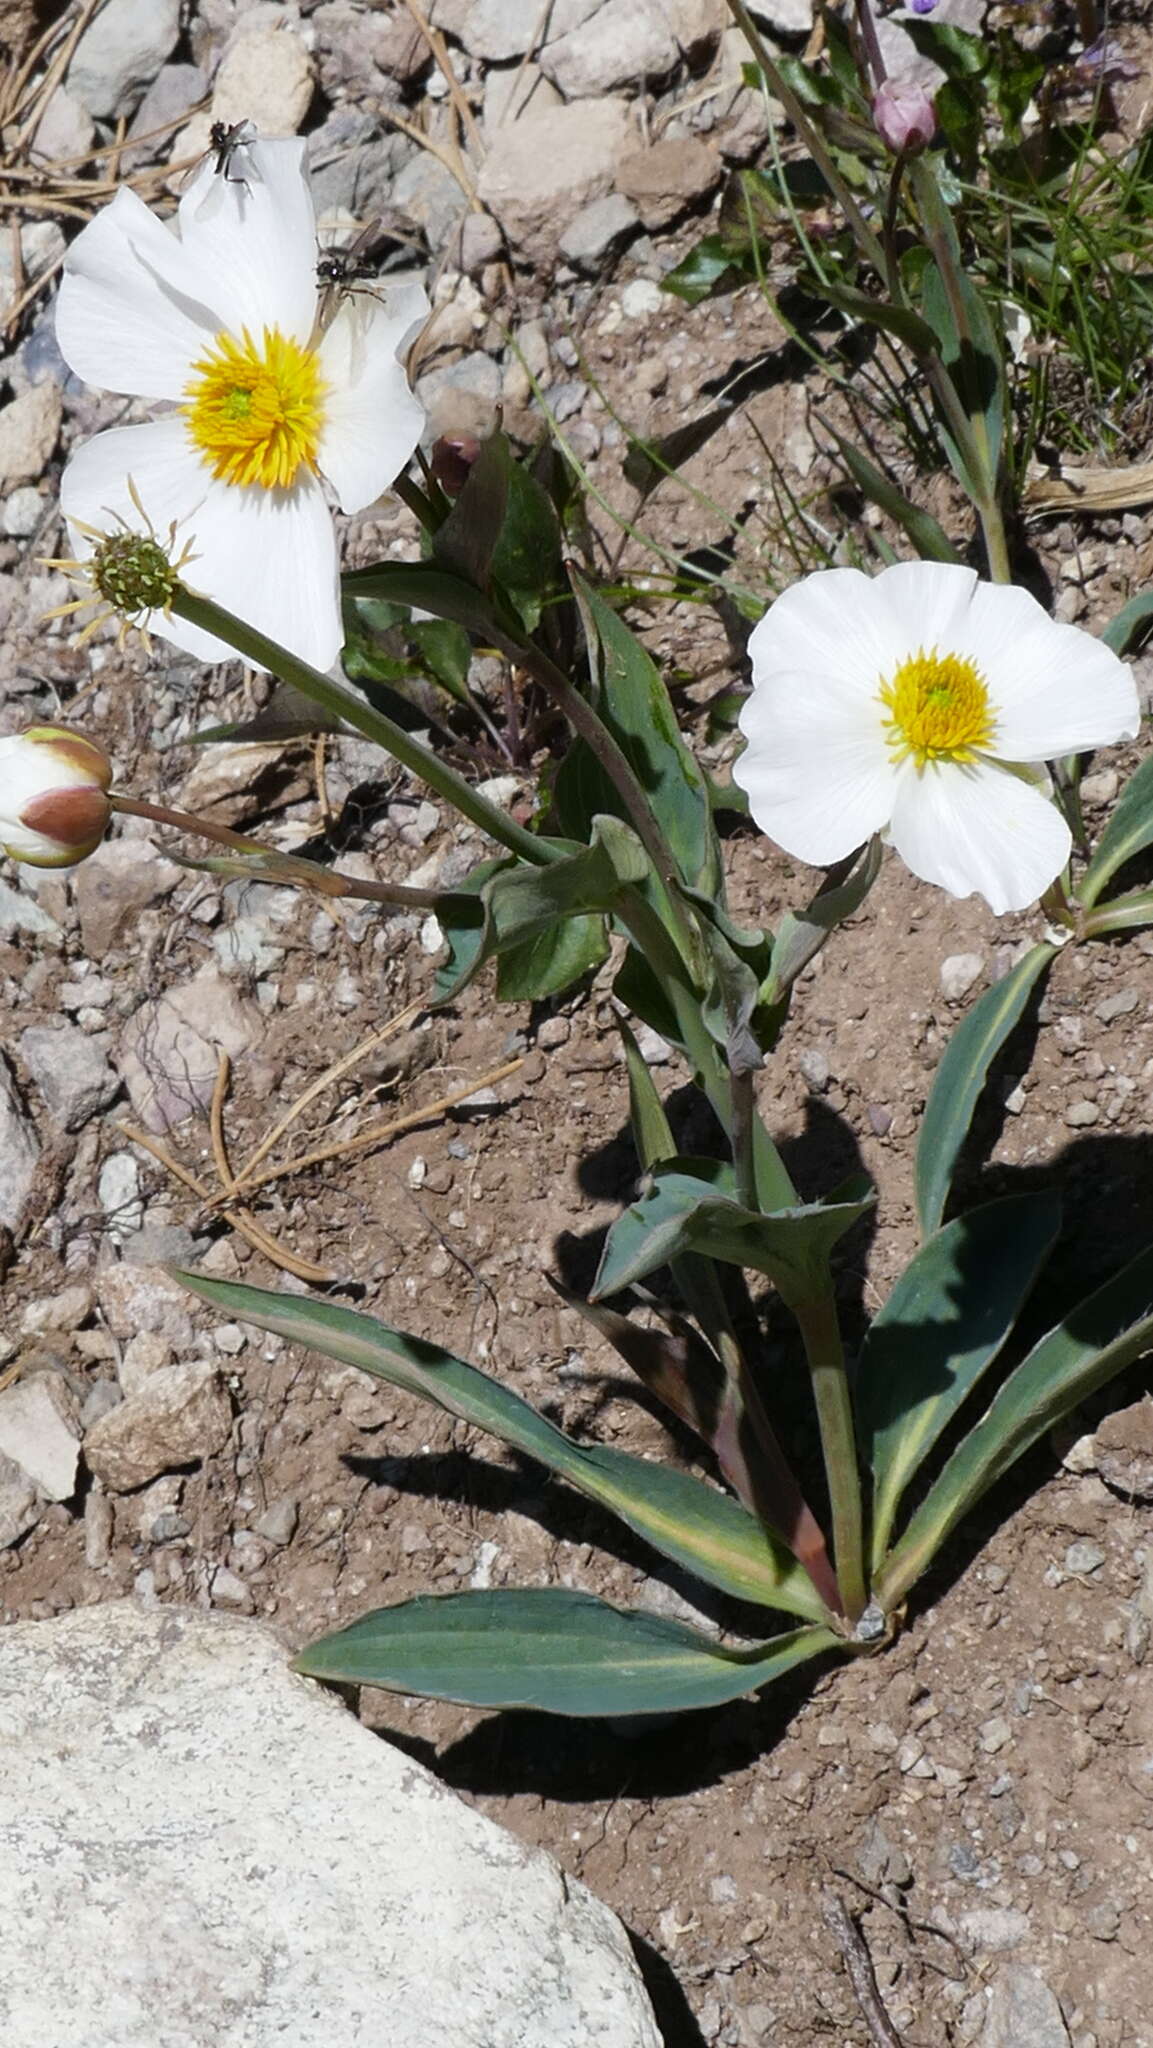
[[339, 271], [357, 268], [226, 142]]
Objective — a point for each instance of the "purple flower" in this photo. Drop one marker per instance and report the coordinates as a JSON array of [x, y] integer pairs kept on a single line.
[[1105, 61], [922, 6]]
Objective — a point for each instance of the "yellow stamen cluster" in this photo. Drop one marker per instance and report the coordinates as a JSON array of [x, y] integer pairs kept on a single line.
[[255, 412], [939, 709]]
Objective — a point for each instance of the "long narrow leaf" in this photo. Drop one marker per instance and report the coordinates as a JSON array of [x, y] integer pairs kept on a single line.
[[1097, 1340], [961, 1076], [557, 1651], [1128, 832], [701, 1528], [944, 1322]]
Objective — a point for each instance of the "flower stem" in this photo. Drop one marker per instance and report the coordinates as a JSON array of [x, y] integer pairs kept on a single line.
[[335, 698], [817, 1317], [285, 867]]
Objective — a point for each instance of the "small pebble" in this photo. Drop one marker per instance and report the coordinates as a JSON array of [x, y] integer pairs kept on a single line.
[[1083, 1558], [1082, 1114], [814, 1069], [959, 973]]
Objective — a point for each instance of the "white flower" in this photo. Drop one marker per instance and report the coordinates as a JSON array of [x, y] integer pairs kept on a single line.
[[917, 704], [54, 808], [218, 323]]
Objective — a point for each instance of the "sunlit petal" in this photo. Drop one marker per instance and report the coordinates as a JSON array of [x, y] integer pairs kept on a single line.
[[816, 770], [979, 830], [373, 421]]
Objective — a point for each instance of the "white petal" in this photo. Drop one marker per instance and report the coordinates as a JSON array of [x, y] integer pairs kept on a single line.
[[835, 623], [373, 421], [268, 556], [257, 237], [133, 311], [929, 604], [1056, 689], [819, 777], [978, 830]]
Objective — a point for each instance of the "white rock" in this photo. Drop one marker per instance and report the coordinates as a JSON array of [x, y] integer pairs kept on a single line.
[[1022, 2013], [38, 1432], [265, 76], [63, 1311], [19, 1152], [499, 30], [169, 1052], [138, 1297], [220, 1856], [119, 1190], [958, 974], [21, 1506], [623, 43], [179, 1416], [121, 53], [23, 511], [29, 427], [69, 1067], [640, 298]]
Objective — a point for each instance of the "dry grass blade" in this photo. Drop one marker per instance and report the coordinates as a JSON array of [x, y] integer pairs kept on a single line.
[[858, 1963], [377, 1134], [331, 1074], [1091, 490], [443, 61], [241, 1221]]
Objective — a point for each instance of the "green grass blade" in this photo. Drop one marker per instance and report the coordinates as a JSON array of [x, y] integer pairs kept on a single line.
[[960, 1077], [1097, 1340], [695, 1524], [557, 1651], [944, 1322], [1128, 832]]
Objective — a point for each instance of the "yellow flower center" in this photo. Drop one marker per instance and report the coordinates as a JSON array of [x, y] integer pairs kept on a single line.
[[255, 412], [939, 709]]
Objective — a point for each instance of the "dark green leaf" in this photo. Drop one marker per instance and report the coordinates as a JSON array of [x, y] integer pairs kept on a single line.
[[898, 320], [466, 540], [801, 935], [960, 1078], [1097, 1340], [691, 1207], [558, 1651], [703, 1529], [426, 588], [1132, 624], [525, 910], [972, 357], [1121, 914], [1128, 832], [635, 706], [959, 54], [928, 537], [553, 960], [946, 1319], [709, 268]]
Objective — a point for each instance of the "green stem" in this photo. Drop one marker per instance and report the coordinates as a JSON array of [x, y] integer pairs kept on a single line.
[[817, 1317], [863, 235], [343, 703], [744, 1112], [584, 721], [285, 867]]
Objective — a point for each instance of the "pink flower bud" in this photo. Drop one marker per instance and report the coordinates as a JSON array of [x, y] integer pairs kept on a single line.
[[904, 116], [54, 807]]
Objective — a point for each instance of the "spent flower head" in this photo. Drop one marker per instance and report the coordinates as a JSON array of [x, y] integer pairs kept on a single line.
[[129, 575], [922, 704], [264, 402], [54, 807]]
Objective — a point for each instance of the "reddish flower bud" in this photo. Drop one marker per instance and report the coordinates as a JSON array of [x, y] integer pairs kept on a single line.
[[54, 807], [904, 116], [451, 460]]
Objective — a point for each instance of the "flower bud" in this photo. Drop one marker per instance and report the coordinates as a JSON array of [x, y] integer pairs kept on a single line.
[[904, 116], [451, 461], [54, 807]]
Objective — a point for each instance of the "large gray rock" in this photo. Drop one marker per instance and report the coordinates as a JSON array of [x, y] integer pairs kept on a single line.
[[179, 1416], [69, 1067], [121, 52], [626, 44], [545, 166], [19, 1152], [219, 1856], [1023, 2013]]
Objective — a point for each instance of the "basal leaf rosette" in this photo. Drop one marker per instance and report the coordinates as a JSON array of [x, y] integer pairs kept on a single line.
[[922, 704], [216, 319]]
